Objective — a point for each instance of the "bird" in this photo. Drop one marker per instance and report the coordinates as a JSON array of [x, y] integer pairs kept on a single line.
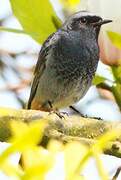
[[67, 63]]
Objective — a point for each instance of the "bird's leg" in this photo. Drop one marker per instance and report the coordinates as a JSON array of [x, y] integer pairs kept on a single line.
[[50, 104], [74, 109], [59, 114]]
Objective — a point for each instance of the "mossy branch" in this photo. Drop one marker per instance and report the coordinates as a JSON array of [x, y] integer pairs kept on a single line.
[[70, 128]]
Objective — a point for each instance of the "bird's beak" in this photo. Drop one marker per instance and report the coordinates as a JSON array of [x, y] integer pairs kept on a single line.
[[99, 23]]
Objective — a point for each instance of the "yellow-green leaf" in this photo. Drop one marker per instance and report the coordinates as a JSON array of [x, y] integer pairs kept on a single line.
[[74, 153], [29, 137], [102, 172], [115, 38], [98, 79], [116, 70], [37, 162], [35, 17], [11, 170], [70, 3]]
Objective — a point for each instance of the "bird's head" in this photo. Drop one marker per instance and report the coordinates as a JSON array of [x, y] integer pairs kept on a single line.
[[84, 20]]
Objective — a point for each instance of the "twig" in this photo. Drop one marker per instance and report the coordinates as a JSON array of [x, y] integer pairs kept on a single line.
[[117, 173]]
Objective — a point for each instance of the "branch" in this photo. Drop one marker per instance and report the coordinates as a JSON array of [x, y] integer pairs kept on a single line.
[[67, 129], [104, 86]]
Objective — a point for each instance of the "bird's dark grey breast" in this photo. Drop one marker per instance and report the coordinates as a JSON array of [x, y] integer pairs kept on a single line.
[[76, 55]]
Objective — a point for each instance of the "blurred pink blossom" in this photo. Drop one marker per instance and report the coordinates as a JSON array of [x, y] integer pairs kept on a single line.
[[110, 9]]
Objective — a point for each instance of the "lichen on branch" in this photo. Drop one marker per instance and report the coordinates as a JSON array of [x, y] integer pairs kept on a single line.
[[69, 128]]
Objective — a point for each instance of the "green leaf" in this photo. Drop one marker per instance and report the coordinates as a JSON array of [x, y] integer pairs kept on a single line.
[[35, 17], [115, 38], [98, 79]]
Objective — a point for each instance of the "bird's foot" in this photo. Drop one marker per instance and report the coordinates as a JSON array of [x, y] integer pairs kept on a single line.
[[55, 111], [84, 115], [59, 114], [98, 118]]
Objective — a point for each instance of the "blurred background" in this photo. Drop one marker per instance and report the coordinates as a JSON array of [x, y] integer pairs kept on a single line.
[[19, 53]]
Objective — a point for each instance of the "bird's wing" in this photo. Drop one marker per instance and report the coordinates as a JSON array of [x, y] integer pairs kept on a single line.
[[41, 64]]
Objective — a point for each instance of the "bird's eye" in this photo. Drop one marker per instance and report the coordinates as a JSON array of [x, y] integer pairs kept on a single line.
[[83, 20]]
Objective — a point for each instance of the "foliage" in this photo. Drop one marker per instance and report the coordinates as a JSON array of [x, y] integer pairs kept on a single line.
[[35, 18], [38, 161]]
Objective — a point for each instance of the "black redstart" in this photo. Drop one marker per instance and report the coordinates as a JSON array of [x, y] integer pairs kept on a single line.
[[67, 63]]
